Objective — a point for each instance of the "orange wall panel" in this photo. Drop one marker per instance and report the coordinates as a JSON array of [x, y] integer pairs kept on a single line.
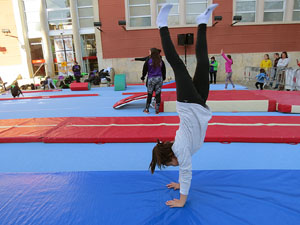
[[12, 55], [118, 43]]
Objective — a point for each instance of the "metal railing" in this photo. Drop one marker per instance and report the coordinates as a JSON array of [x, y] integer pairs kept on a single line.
[[280, 78]]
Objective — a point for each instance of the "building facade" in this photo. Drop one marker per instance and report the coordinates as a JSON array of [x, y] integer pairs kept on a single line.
[[52, 35], [267, 26], [45, 37]]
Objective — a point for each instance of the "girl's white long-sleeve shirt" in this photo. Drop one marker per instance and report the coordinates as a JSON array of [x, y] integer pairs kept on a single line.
[[189, 138], [283, 62]]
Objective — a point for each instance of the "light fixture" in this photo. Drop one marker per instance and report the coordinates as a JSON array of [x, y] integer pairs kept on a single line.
[[217, 20], [98, 25], [236, 19], [6, 31], [122, 23]]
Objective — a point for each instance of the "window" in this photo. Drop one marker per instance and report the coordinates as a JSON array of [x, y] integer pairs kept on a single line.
[[88, 44], [139, 13], [85, 13], [246, 9], [296, 13], [274, 10], [57, 4], [84, 3], [174, 14], [193, 9], [59, 16], [32, 15]]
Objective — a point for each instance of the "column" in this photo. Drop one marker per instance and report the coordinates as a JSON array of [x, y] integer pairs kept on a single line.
[[260, 11], [288, 14], [182, 12], [47, 50], [22, 39], [98, 36], [153, 8], [76, 34]]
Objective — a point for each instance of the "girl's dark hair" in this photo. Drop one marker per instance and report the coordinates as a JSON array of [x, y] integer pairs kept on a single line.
[[267, 56], [285, 54], [155, 56], [262, 71], [161, 155], [229, 57], [213, 58]]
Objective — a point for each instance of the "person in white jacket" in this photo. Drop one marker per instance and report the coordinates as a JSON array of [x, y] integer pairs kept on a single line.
[[284, 60], [281, 66], [191, 106]]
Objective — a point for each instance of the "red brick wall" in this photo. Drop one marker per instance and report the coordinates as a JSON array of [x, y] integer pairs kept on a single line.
[[118, 43]]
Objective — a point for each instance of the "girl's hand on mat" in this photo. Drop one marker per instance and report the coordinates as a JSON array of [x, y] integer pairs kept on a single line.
[[173, 185], [175, 203]]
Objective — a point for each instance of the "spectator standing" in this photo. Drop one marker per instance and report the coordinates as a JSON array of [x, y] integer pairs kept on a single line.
[[213, 69], [266, 64], [282, 64], [274, 70], [77, 72]]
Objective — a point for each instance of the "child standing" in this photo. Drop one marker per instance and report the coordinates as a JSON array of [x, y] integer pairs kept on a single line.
[[261, 79], [228, 69], [266, 63], [213, 70], [156, 70], [77, 72]]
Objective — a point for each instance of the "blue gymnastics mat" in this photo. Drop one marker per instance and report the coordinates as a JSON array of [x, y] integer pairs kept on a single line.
[[262, 197], [40, 157]]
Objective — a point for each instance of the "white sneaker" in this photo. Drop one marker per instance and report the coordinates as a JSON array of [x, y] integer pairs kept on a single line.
[[204, 17]]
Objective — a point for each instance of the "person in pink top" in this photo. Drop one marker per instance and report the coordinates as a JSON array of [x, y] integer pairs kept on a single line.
[[228, 69]]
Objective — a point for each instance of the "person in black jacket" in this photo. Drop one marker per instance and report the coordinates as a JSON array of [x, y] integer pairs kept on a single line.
[[77, 72], [156, 70], [144, 59]]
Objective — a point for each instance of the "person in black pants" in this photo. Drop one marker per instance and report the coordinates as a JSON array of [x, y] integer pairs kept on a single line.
[[213, 70], [77, 72], [191, 106], [189, 90], [155, 68]]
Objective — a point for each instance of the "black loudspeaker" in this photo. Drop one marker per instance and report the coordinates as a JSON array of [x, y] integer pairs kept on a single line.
[[185, 39], [181, 39]]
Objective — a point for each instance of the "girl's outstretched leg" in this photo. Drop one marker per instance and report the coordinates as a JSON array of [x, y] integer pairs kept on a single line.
[[185, 89], [201, 77]]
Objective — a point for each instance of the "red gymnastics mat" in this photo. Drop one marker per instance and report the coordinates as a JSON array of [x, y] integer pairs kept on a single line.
[[257, 129], [170, 85], [50, 96], [27, 130], [287, 101]]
